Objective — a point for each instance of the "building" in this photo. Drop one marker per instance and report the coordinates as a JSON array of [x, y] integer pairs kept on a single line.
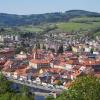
[[38, 63]]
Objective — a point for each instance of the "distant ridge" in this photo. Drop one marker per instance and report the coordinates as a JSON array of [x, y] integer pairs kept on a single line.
[[35, 19]]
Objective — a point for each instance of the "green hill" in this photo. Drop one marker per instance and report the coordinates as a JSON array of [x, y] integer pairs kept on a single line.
[[81, 24], [69, 21], [36, 19]]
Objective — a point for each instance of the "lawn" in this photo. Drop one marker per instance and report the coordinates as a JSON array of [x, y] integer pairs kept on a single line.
[[30, 28]]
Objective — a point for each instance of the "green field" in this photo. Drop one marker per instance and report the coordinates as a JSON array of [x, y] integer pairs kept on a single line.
[[85, 19], [80, 24], [30, 28]]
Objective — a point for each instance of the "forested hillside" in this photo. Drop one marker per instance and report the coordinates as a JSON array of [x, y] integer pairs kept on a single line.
[[36, 19]]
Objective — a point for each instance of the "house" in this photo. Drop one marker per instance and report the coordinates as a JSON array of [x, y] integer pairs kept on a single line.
[[38, 80], [2, 61], [7, 65], [39, 63], [63, 66], [75, 74], [21, 56], [20, 74], [7, 52], [87, 49], [96, 66], [87, 62], [74, 49]]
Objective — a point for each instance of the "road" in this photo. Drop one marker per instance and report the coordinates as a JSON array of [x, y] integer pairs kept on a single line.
[[38, 86]]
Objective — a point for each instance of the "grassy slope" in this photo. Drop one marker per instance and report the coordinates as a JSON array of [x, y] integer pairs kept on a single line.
[[77, 24], [72, 26], [30, 28]]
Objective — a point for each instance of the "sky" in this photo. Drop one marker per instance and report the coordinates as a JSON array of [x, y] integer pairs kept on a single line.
[[25, 7]]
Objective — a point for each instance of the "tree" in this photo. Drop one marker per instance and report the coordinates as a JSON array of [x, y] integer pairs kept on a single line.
[[49, 98], [83, 88], [7, 93], [6, 96], [25, 94], [4, 84], [38, 46], [44, 47], [91, 51], [69, 48], [16, 97], [60, 50], [52, 50]]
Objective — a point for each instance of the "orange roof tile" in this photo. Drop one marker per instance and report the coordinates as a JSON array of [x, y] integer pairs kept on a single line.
[[8, 63], [21, 71], [77, 72], [37, 61], [90, 62], [69, 62]]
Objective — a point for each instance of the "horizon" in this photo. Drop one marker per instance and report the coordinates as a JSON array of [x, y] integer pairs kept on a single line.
[[28, 7], [48, 12]]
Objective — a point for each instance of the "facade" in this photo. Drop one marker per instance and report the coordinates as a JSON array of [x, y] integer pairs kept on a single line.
[[37, 63]]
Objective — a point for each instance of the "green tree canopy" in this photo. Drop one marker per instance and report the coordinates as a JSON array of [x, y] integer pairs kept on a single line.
[[60, 50], [83, 88], [7, 93], [49, 98]]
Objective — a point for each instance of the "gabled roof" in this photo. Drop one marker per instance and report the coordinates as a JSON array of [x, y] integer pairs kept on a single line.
[[40, 61]]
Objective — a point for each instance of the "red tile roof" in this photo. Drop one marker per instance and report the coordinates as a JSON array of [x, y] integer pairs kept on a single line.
[[21, 71], [89, 62], [39, 61], [8, 63]]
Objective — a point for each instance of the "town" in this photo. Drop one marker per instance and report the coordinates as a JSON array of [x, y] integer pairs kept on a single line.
[[49, 64], [50, 50]]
